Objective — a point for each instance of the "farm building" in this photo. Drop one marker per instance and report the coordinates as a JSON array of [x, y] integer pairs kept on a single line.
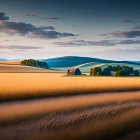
[[73, 71]]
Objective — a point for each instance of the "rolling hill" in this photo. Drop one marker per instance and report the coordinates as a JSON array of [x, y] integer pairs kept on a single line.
[[16, 67], [85, 63]]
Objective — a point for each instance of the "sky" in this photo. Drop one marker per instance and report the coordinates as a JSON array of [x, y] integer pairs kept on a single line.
[[40, 29]]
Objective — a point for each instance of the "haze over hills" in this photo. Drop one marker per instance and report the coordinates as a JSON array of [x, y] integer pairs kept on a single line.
[[85, 63], [3, 59]]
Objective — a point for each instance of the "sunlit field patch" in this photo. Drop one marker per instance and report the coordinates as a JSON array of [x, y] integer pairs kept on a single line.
[[34, 85]]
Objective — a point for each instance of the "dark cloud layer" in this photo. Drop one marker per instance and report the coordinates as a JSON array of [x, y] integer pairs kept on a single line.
[[52, 18], [129, 42], [126, 34], [29, 30], [3, 16], [21, 28], [49, 34]]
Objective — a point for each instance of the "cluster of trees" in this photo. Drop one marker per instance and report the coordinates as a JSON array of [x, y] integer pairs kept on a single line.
[[34, 63], [116, 70]]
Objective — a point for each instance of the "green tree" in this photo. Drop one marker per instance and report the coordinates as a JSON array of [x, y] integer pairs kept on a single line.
[[98, 74], [93, 71], [35, 63], [109, 67], [120, 73], [118, 67], [106, 72], [114, 68], [22, 62], [136, 73], [116, 73]]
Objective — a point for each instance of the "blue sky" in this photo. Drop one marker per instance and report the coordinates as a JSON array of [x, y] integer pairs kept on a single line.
[[108, 29]]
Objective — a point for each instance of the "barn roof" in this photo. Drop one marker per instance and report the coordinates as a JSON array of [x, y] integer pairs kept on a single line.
[[72, 69]]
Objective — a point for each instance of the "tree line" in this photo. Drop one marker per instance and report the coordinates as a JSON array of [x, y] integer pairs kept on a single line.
[[114, 70], [35, 63]]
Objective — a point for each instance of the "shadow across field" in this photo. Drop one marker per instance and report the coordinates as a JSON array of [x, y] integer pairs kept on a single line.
[[14, 112], [98, 123]]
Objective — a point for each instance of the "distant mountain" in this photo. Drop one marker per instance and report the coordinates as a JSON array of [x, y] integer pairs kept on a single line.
[[2, 59], [68, 61], [85, 63]]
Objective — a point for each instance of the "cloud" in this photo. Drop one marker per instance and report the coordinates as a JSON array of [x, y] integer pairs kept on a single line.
[[46, 27], [97, 43], [21, 28], [129, 42], [103, 34], [128, 21], [6, 40], [126, 34], [87, 43], [31, 31], [49, 34], [137, 27], [56, 18], [18, 47], [3, 16], [78, 43], [52, 18], [33, 15]]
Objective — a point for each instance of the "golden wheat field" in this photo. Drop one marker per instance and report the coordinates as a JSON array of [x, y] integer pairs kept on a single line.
[[112, 121], [25, 110], [34, 85], [35, 106]]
